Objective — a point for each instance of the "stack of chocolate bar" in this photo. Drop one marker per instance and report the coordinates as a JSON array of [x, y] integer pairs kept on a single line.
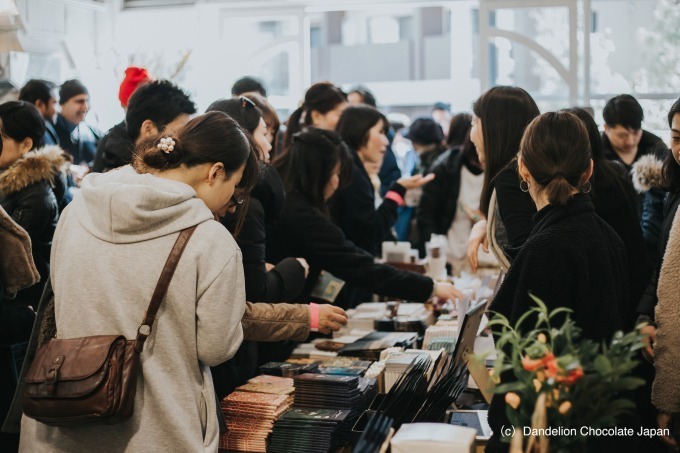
[[251, 410]]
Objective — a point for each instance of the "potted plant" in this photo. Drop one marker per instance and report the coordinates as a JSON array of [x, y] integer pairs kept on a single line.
[[565, 387]]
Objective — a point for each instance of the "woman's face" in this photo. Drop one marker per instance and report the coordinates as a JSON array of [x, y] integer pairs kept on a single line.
[[478, 139], [217, 190], [13, 150], [329, 119], [263, 144], [675, 137], [374, 149], [333, 183]]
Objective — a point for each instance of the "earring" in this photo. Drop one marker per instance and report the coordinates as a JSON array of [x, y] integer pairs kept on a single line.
[[587, 187], [524, 186]]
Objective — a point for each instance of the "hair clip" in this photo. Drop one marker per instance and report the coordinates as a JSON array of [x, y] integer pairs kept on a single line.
[[245, 102], [167, 144]]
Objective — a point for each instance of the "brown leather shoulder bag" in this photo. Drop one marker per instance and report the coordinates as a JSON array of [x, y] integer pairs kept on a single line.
[[93, 379]]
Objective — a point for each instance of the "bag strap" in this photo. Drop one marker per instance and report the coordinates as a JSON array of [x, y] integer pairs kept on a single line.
[[161, 290]]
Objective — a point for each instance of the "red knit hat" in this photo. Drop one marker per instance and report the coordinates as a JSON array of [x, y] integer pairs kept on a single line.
[[134, 77]]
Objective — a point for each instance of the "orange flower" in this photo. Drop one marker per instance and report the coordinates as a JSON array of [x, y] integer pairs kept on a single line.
[[551, 365], [574, 375], [531, 364]]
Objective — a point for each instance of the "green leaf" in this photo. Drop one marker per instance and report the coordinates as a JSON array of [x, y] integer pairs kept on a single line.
[[603, 365], [629, 383], [559, 310], [516, 386]]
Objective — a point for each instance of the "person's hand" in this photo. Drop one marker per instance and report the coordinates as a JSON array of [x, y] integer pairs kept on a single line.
[[303, 263], [446, 291], [649, 338], [331, 318], [268, 266], [475, 215], [477, 238], [664, 420], [413, 182]]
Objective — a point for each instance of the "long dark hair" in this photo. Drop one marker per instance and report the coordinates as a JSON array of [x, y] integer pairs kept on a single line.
[[505, 112], [309, 164], [556, 151], [209, 138], [321, 97], [356, 123], [459, 129], [671, 168]]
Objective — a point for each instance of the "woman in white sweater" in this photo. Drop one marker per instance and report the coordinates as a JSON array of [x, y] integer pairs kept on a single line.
[[109, 248]]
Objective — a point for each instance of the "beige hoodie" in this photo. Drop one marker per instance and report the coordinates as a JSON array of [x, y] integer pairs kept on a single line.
[[108, 251]]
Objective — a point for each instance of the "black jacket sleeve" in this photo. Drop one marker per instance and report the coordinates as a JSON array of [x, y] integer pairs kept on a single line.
[[355, 212], [284, 282], [431, 207], [325, 246], [516, 207], [648, 302], [389, 171], [652, 218], [35, 208]]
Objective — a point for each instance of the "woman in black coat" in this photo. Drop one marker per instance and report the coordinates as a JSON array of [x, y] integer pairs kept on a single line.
[[32, 189], [613, 196], [285, 280], [353, 207], [456, 172], [572, 257], [32, 185], [312, 170]]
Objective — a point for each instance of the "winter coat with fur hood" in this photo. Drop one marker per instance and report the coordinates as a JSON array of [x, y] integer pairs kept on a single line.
[[31, 191]]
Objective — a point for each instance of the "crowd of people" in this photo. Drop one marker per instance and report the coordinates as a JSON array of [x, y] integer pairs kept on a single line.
[[583, 219]]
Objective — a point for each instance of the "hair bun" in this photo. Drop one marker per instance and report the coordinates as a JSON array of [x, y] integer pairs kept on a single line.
[[161, 152]]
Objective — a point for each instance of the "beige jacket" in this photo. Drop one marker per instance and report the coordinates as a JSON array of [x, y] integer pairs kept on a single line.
[[261, 322], [666, 389]]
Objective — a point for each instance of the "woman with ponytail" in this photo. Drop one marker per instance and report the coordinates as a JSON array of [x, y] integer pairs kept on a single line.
[[572, 257], [322, 107]]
